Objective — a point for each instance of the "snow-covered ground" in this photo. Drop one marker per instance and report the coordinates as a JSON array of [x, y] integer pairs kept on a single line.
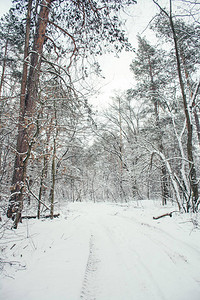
[[103, 251]]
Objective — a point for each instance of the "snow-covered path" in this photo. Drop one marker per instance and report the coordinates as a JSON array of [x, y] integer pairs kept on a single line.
[[134, 260], [106, 252]]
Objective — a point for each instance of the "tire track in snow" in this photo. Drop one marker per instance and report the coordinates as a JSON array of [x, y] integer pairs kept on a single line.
[[137, 260], [88, 288], [157, 230], [142, 270], [165, 240], [171, 246]]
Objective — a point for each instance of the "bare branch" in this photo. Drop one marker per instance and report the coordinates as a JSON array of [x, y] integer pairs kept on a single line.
[[27, 183], [72, 38]]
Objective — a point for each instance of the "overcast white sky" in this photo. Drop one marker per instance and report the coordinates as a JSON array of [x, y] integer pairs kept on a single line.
[[116, 70], [4, 6]]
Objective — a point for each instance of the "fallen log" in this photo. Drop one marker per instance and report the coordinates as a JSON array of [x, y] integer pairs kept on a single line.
[[165, 215], [41, 217]]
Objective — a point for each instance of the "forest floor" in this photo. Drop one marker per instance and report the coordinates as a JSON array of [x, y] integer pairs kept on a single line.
[[103, 251]]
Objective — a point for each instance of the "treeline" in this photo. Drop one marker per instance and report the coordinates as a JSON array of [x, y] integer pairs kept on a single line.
[[145, 146], [150, 138]]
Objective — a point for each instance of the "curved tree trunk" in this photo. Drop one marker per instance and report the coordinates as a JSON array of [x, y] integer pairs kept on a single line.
[[192, 172]]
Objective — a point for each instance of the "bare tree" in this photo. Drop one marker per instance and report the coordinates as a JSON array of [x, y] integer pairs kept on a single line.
[[192, 170]]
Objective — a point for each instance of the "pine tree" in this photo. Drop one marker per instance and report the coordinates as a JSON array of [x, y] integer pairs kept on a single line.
[[148, 69]]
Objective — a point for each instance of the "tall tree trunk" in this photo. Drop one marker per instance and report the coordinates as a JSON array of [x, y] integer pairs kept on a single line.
[[195, 113], [164, 179], [29, 92], [196, 118], [53, 167], [42, 190], [53, 179], [3, 67], [165, 185], [192, 173], [1, 102], [121, 191]]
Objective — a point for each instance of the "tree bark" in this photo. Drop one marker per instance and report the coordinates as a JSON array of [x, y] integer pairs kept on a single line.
[[29, 93], [165, 215]]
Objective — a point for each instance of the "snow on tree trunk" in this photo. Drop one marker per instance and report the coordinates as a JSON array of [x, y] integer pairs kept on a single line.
[[27, 105]]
